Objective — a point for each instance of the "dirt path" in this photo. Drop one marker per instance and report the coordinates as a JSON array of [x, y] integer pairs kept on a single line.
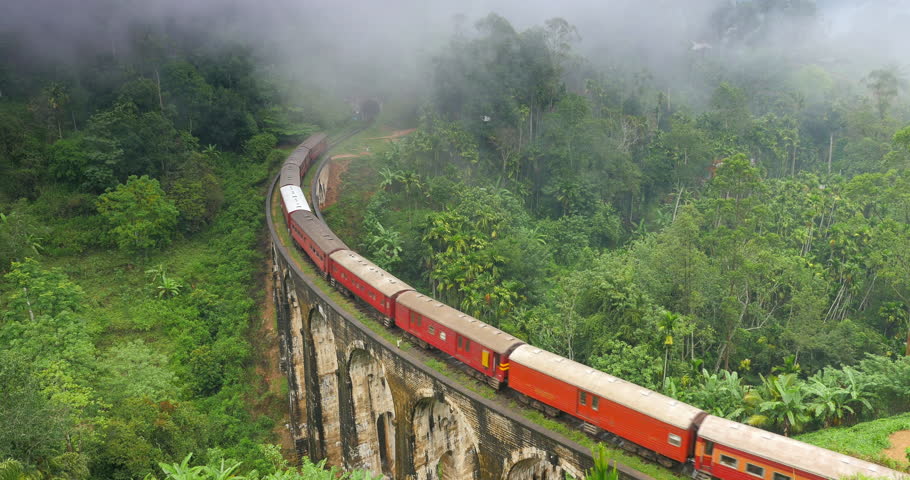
[[336, 169], [349, 155], [900, 441], [271, 400], [395, 134]]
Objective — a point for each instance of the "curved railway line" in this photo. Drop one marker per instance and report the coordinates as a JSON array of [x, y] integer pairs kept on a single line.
[[658, 428]]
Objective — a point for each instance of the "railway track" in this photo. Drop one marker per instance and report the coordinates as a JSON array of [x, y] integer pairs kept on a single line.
[[424, 351]]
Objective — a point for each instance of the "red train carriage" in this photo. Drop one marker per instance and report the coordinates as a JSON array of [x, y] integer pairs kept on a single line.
[[647, 418], [731, 450], [290, 175], [299, 157], [474, 343], [372, 284], [315, 238], [316, 144], [292, 200]]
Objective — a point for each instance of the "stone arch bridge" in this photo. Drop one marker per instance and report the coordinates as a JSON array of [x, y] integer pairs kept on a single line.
[[360, 401]]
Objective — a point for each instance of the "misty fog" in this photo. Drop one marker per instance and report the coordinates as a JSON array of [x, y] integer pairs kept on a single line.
[[351, 46]]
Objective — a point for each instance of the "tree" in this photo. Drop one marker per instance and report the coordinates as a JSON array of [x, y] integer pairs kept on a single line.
[[258, 147], [668, 323], [39, 292], [782, 404], [139, 213], [196, 192], [884, 84], [31, 427], [21, 236]]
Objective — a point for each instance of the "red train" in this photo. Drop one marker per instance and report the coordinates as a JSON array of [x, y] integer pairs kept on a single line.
[[658, 427]]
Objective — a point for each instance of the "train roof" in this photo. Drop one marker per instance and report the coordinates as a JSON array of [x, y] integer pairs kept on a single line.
[[290, 175], [318, 231], [462, 323], [604, 385], [790, 452], [376, 277], [298, 156], [293, 199], [313, 140]]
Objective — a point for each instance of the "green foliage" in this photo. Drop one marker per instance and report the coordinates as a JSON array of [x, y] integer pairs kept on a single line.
[[32, 429], [139, 213], [259, 146], [601, 469], [864, 440], [134, 370], [196, 192], [35, 292], [223, 469], [21, 235]]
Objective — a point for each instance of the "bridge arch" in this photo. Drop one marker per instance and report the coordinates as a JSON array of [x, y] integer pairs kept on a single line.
[[531, 463], [327, 378], [374, 413], [443, 443]]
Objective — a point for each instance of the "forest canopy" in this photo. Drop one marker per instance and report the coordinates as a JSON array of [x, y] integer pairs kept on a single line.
[[728, 244]]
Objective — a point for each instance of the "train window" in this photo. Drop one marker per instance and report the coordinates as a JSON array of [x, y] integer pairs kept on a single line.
[[432, 330], [442, 335], [460, 342], [729, 461], [595, 402], [674, 440], [709, 447], [755, 470], [467, 345], [582, 398], [781, 476]]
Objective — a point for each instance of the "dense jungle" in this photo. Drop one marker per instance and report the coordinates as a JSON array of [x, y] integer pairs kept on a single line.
[[730, 227]]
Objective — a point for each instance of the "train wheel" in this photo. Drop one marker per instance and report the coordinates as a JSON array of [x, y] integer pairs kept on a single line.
[[666, 462]]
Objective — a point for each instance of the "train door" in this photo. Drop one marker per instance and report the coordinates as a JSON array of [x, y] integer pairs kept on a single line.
[[588, 404], [486, 359], [414, 323], [707, 458]]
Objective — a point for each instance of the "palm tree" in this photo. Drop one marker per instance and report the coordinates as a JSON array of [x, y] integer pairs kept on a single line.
[[388, 178], [782, 405], [790, 366], [828, 402], [14, 470], [222, 472], [667, 324], [384, 245], [182, 470]]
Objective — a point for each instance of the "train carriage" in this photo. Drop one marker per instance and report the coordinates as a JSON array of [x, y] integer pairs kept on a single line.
[[647, 418], [372, 284], [731, 450], [292, 200], [298, 158], [315, 238], [316, 145], [290, 176], [476, 344]]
